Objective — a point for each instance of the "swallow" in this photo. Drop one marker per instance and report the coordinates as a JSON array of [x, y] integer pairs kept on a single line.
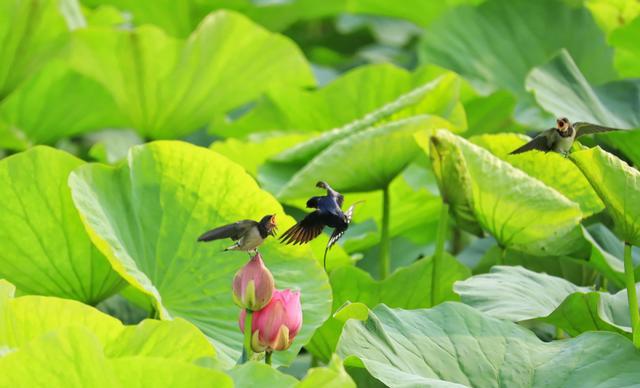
[[328, 213], [247, 234], [560, 139]]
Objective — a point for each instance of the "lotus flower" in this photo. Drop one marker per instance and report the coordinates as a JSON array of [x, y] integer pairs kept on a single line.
[[253, 285], [276, 325]]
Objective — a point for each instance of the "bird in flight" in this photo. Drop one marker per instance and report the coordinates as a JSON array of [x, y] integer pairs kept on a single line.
[[328, 213], [560, 139], [247, 234]]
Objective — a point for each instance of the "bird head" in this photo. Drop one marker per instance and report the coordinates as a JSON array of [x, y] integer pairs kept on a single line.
[[563, 124], [322, 185], [269, 223]]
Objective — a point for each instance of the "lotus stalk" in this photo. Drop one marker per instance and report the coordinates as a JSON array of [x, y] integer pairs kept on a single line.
[[631, 294], [438, 257], [385, 258]]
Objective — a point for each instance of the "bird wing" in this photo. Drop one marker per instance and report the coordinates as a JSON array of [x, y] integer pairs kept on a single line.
[[588, 128], [540, 142], [304, 231], [233, 231]]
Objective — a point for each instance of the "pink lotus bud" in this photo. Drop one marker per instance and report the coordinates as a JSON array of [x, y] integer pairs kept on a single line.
[[276, 325], [253, 285]]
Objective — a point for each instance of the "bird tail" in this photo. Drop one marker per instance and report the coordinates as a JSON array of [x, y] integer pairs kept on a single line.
[[324, 263]]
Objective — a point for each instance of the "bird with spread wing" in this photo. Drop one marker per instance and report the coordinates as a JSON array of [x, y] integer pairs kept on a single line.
[[247, 234], [328, 213], [560, 139]]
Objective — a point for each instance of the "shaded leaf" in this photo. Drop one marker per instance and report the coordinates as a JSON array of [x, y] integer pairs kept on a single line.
[[517, 294], [455, 345]]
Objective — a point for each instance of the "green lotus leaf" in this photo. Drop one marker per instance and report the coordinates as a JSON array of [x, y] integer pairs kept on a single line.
[[331, 376], [181, 85], [625, 39], [42, 111], [80, 362], [32, 32], [45, 248], [519, 211], [471, 41], [551, 168], [168, 194], [389, 149], [25, 319], [453, 345], [560, 88], [438, 97], [364, 90], [612, 14], [418, 285], [618, 185], [256, 149], [518, 294], [253, 372]]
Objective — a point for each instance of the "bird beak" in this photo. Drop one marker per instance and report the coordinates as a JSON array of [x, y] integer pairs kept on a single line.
[[273, 227]]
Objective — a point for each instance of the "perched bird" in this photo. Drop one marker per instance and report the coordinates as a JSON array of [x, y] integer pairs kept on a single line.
[[561, 138], [328, 213], [247, 234]]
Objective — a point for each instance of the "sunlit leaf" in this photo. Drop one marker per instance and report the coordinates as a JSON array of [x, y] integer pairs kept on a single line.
[[253, 372], [168, 194], [42, 110], [332, 376], [45, 248], [618, 185], [32, 32], [627, 52], [551, 168], [454, 345], [517, 294], [520, 212], [166, 87]]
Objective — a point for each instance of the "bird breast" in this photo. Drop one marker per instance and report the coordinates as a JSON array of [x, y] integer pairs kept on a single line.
[[251, 240]]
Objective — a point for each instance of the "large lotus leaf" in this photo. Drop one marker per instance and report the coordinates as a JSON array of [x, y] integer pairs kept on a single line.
[[618, 185], [252, 372], [518, 294], [453, 345], [551, 168], [471, 41], [166, 87], [255, 150], [42, 110], [24, 319], [418, 285], [32, 32], [438, 97], [167, 195], [625, 41], [331, 376], [560, 88], [80, 362], [45, 248], [365, 161], [364, 90], [519, 211]]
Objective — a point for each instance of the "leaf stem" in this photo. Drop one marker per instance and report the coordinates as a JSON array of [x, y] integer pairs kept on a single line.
[[267, 357], [438, 256], [631, 294], [500, 258], [247, 353], [385, 260]]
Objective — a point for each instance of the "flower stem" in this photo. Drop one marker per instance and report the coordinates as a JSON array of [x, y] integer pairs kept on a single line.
[[385, 260], [267, 357], [631, 294], [246, 355], [438, 257]]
